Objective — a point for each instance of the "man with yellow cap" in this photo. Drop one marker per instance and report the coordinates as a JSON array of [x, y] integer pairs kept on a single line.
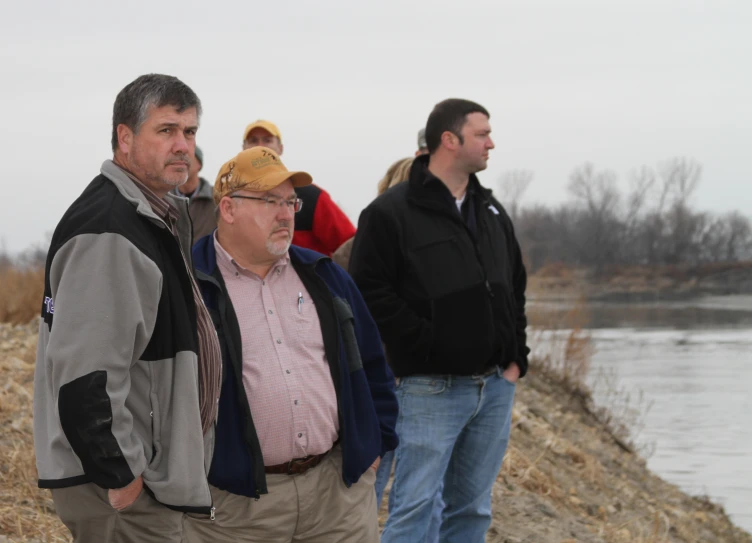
[[321, 225], [307, 406]]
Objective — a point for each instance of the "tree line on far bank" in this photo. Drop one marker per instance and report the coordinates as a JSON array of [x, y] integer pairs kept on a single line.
[[602, 226]]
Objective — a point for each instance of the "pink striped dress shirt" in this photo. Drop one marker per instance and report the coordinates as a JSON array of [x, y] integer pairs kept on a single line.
[[285, 372]]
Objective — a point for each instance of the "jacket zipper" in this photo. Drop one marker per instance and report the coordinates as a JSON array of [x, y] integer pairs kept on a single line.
[[476, 249], [338, 369]]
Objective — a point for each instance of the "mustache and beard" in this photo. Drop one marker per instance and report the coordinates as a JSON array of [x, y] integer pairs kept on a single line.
[[179, 157], [147, 169], [177, 179], [279, 247]]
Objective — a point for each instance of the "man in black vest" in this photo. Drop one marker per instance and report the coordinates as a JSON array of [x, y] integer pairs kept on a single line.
[[441, 272]]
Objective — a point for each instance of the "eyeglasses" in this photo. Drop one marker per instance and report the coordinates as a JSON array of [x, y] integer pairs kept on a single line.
[[296, 204]]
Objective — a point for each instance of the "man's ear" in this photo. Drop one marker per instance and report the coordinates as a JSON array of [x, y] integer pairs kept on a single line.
[[281, 148], [125, 138], [450, 140], [227, 210]]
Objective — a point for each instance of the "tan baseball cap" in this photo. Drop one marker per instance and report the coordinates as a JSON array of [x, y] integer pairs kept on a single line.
[[266, 125], [256, 169]]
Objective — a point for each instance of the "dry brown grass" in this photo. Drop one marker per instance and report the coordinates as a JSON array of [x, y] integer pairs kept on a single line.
[[556, 270], [530, 473], [26, 512], [621, 411], [554, 280], [564, 357], [637, 530], [20, 294]]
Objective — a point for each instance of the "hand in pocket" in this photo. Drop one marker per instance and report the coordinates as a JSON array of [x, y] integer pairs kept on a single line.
[[120, 498]]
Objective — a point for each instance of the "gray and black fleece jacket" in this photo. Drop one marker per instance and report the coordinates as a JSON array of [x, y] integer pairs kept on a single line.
[[116, 382]]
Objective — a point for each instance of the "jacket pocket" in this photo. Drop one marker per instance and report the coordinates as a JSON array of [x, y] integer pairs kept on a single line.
[[346, 321], [443, 267]]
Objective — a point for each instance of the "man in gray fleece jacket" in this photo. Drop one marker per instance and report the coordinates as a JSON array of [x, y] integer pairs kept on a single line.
[[128, 365]]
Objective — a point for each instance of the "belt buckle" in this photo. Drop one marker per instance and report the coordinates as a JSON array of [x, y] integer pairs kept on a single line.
[[296, 462]]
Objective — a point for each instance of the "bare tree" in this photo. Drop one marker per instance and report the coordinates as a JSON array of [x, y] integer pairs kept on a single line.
[[535, 231], [713, 242], [599, 196], [598, 191], [641, 182], [656, 225], [739, 243], [726, 239], [634, 248], [680, 176], [512, 186], [547, 235]]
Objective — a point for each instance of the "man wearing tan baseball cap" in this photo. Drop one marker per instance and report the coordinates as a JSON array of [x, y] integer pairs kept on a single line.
[[322, 225], [307, 405], [259, 169], [263, 134]]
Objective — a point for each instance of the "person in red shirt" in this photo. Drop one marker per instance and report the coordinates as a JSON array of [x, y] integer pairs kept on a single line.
[[320, 225]]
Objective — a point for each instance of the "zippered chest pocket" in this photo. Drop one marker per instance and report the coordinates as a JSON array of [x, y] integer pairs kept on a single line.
[[444, 266]]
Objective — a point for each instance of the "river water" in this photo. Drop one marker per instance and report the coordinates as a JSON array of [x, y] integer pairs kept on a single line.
[[691, 365]]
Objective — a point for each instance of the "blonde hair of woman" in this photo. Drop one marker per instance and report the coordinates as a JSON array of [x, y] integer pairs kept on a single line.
[[397, 173]]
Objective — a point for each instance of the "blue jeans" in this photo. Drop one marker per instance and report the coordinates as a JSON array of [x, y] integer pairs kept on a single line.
[[451, 428], [382, 478]]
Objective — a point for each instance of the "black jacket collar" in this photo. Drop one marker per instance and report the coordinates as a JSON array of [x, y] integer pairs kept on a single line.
[[427, 190]]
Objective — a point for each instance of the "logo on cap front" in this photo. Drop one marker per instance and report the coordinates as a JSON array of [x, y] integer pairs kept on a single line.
[[264, 160]]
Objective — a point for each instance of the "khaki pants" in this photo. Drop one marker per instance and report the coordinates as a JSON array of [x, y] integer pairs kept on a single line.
[[315, 507], [86, 512]]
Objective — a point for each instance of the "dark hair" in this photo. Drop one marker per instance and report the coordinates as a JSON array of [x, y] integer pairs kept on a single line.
[[133, 102], [449, 116]]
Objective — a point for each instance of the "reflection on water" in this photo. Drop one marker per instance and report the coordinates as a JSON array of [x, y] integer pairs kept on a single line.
[[693, 361]]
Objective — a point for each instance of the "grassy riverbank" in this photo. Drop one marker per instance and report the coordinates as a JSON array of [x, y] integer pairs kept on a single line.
[[566, 478], [570, 475]]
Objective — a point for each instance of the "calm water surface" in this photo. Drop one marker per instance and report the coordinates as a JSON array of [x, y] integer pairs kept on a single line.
[[693, 363]]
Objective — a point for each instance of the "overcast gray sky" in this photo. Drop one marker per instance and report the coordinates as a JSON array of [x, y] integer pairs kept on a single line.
[[621, 84]]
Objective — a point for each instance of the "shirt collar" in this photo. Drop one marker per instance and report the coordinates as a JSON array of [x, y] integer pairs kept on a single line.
[[160, 206]]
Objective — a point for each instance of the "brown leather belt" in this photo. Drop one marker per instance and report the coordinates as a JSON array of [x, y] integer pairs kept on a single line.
[[297, 466]]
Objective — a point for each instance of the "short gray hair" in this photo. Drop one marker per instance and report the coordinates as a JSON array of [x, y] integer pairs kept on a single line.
[[133, 102]]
